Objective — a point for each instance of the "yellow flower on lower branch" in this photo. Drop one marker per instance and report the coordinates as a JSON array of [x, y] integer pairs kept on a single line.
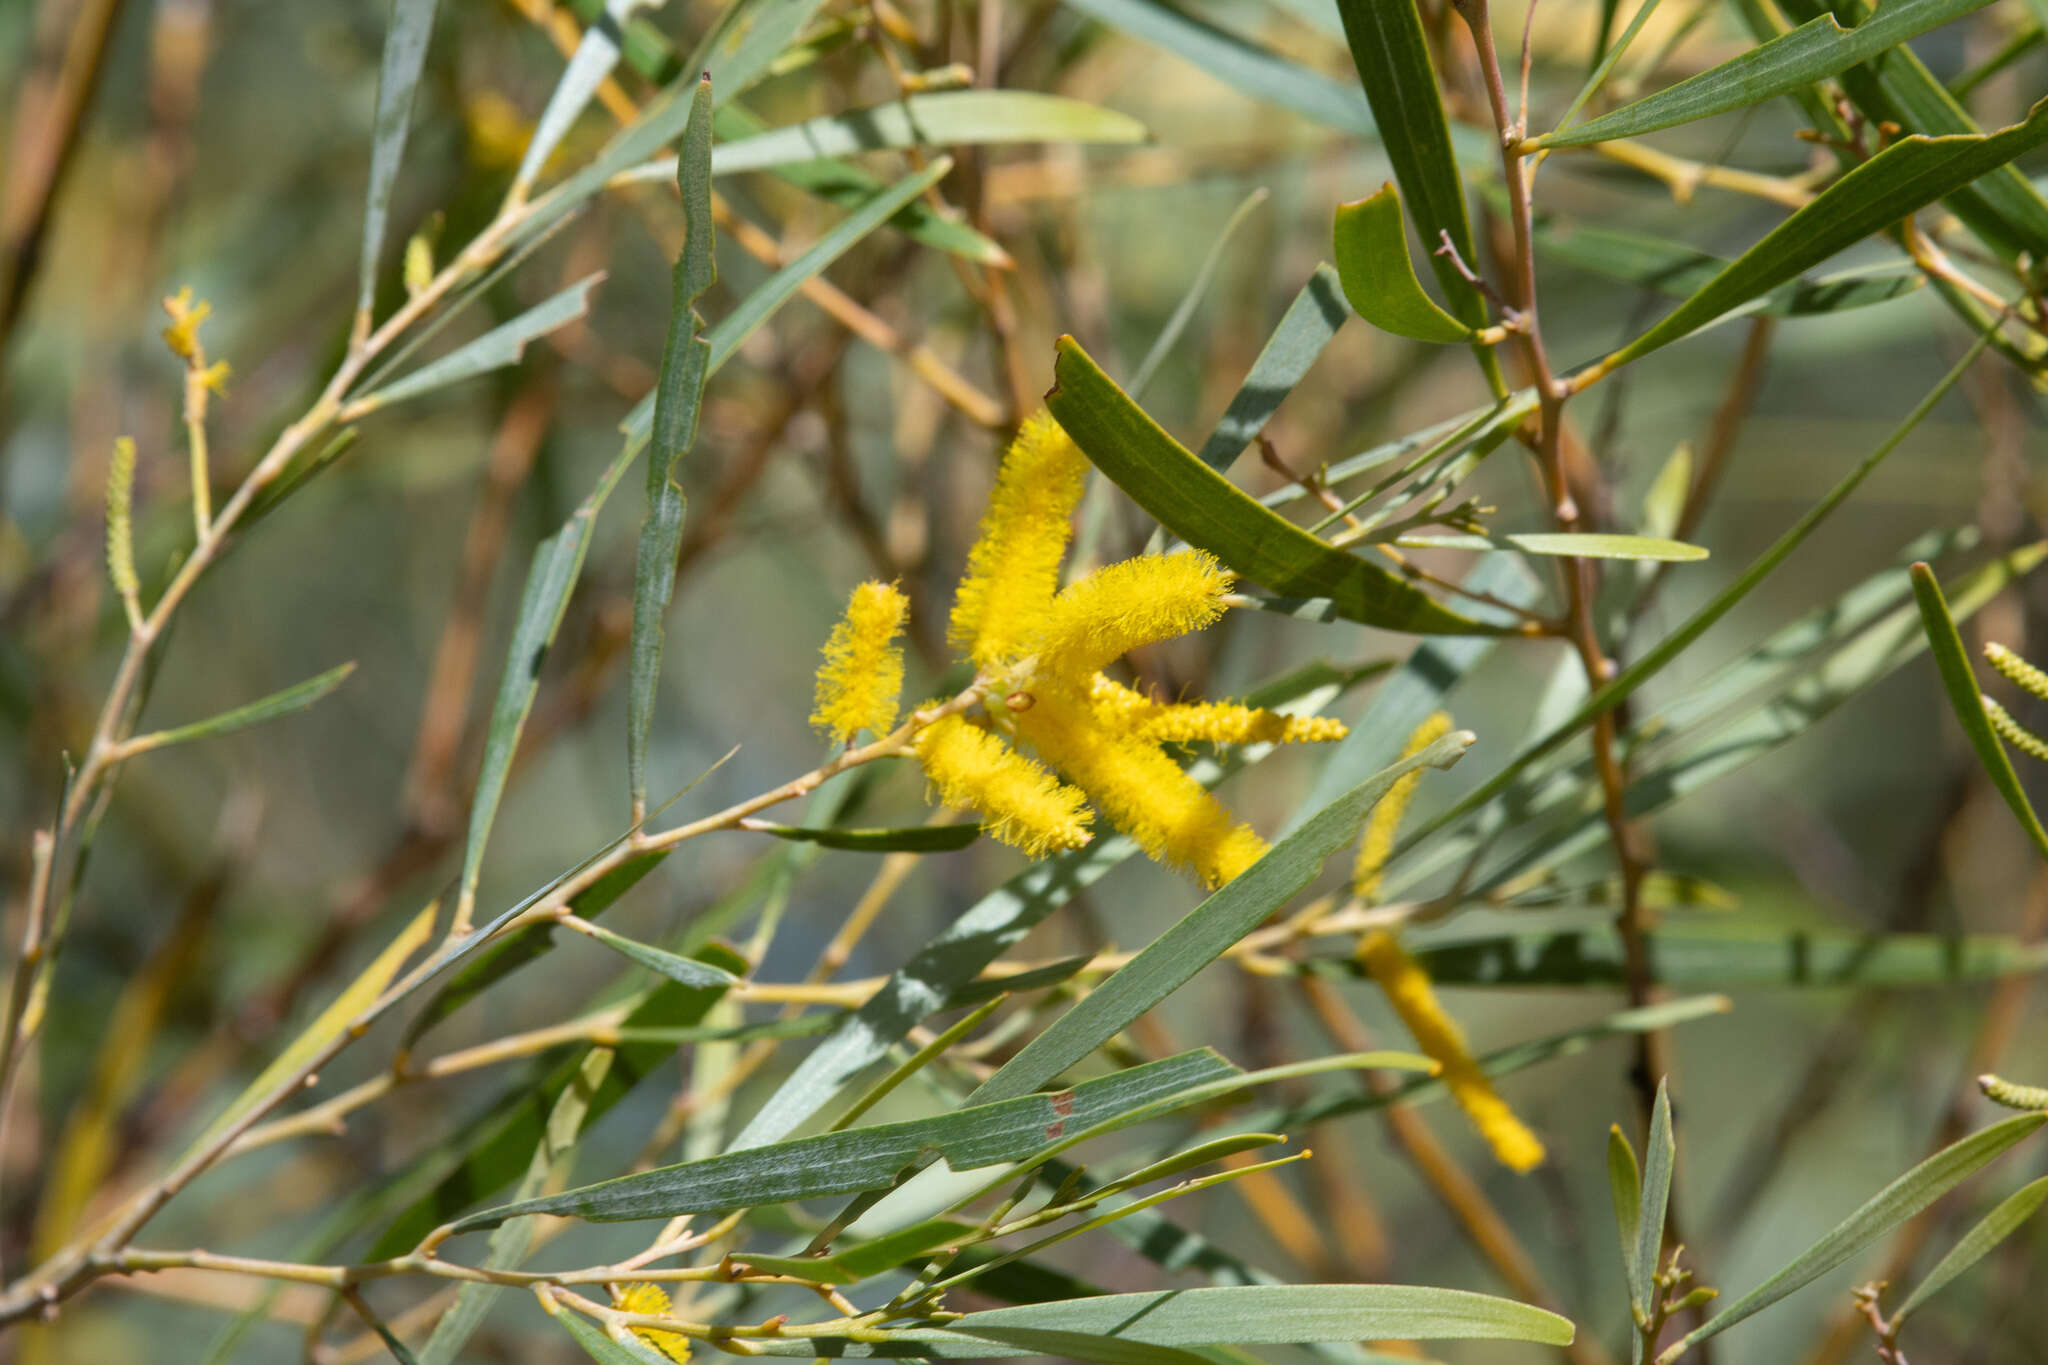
[[862, 676], [1377, 843], [1408, 990], [652, 1301], [1020, 802]]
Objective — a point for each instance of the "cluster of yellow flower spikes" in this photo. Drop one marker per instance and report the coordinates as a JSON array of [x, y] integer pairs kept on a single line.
[[1407, 986], [1040, 651], [651, 1300]]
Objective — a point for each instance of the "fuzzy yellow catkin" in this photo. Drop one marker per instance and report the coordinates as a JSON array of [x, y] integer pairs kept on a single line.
[[1216, 722], [2014, 733], [1013, 570], [1140, 789], [120, 520], [1377, 843], [2018, 669], [1408, 990], [651, 1300], [1020, 802], [2012, 1095], [1121, 606], [862, 676]]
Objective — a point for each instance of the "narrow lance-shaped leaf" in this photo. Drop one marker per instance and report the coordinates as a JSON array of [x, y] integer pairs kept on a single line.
[[1809, 53], [1205, 933], [398, 75], [1977, 1243], [678, 396], [910, 839], [1885, 1210], [1205, 509], [1371, 244], [1589, 545], [1900, 180], [557, 564], [592, 63], [1198, 285], [1392, 55], [286, 702], [684, 971], [1305, 329], [496, 349], [1660, 1155], [867, 1158], [1960, 683], [1625, 1187]]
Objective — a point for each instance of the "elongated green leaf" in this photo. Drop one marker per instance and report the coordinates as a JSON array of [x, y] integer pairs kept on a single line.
[[1957, 678], [1205, 509], [1205, 933], [867, 1158], [858, 1263], [1201, 1154], [1305, 329], [909, 839], [398, 76], [1280, 1314], [1599, 546], [673, 409], [1977, 1243], [289, 701], [597, 53], [496, 349], [550, 579], [490, 1154], [684, 971], [849, 186], [1625, 1186], [1392, 56], [1900, 180], [943, 1343], [1371, 245], [1886, 1209], [1807, 54], [1243, 65], [952, 118], [736, 326], [1667, 649], [1660, 1155]]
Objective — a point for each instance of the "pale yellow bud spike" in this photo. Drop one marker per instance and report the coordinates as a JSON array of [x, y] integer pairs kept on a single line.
[[1121, 606], [1020, 802], [2014, 733], [1408, 990], [1142, 791], [2011, 1094], [121, 530], [862, 676], [1377, 844], [1014, 568], [2018, 669], [651, 1300]]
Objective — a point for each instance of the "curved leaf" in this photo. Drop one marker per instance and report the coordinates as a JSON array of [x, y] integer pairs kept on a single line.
[[948, 118], [1371, 245], [1281, 1314], [910, 839], [1977, 1243], [1205, 509]]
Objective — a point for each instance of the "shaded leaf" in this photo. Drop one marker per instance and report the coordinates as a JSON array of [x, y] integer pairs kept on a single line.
[[1305, 329], [858, 1263], [1191, 297], [398, 76], [1977, 1243], [1371, 246], [597, 53], [601, 1346], [909, 839], [1660, 1155], [496, 349], [948, 118], [684, 971], [1809, 53], [1625, 1187], [1205, 509], [286, 702]]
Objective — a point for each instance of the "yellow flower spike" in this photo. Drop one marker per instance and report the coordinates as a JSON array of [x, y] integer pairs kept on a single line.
[[651, 1300], [1014, 568], [2011, 1094], [2018, 669], [1020, 802], [1217, 722], [1121, 606], [2014, 733], [1142, 791], [1377, 844], [120, 525], [862, 676], [1409, 991]]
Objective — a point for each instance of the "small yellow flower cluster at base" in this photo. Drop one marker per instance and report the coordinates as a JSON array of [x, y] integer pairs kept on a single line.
[[651, 1300]]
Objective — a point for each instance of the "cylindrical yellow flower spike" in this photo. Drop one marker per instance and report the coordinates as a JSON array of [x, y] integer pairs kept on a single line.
[[1121, 606], [1408, 990], [1020, 802], [1142, 791], [1014, 568], [652, 1301], [1377, 844], [2011, 1094], [862, 676], [2018, 669], [2014, 733], [1216, 722]]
